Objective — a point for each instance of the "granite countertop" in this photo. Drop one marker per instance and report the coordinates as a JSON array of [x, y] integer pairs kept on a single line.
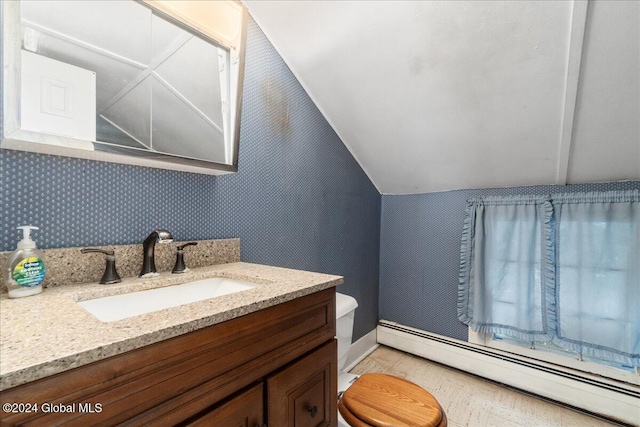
[[48, 333]]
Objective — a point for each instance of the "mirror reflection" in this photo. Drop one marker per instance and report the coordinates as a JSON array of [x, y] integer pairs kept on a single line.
[[124, 77]]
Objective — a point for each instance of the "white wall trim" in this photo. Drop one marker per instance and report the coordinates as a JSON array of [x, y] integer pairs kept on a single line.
[[572, 80], [623, 405], [361, 349]]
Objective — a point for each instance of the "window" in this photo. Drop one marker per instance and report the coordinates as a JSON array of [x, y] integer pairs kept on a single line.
[[559, 273], [541, 351]]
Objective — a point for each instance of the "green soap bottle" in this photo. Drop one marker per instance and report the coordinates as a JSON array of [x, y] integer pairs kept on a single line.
[[26, 267]]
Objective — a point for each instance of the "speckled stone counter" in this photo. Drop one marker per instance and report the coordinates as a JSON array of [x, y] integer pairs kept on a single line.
[[68, 265], [49, 333]]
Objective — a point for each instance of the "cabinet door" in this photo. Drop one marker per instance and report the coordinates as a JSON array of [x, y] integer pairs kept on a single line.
[[305, 393], [245, 410]]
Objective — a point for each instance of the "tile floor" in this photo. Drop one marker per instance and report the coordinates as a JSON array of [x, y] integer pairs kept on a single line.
[[471, 401]]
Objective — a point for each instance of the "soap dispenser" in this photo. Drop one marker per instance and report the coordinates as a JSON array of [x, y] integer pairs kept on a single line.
[[25, 269]]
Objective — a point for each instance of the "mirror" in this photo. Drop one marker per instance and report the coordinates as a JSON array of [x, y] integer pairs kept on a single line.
[[155, 83]]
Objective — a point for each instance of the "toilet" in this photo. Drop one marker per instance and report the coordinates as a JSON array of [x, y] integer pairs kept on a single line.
[[378, 399]]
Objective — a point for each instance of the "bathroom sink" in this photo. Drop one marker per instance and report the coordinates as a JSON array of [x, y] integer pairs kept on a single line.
[[117, 307]]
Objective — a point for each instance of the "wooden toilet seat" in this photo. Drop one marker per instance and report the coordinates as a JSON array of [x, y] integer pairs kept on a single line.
[[384, 401]]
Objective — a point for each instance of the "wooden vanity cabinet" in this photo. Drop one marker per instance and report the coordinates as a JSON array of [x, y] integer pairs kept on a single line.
[[304, 393], [275, 366]]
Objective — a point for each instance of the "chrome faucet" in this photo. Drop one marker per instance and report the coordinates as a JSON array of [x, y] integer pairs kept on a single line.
[[148, 248]]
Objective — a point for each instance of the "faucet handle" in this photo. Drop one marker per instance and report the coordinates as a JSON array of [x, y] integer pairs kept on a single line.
[[110, 275], [181, 247], [98, 251], [180, 267]]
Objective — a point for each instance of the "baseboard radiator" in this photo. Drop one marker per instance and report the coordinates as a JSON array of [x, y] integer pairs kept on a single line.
[[608, 398]]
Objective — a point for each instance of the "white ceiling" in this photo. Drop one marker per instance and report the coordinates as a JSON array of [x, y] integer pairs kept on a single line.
[[441, 95]]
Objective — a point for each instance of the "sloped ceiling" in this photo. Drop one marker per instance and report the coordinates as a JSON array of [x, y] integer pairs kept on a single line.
[[442, 95]]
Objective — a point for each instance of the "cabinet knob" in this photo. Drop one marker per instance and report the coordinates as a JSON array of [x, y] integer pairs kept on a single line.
[[313, 410]]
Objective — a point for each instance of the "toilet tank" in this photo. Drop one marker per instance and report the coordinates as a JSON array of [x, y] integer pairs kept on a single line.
[[345, 312]]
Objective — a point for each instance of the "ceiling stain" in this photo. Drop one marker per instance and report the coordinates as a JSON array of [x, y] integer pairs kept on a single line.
[[416, 65]]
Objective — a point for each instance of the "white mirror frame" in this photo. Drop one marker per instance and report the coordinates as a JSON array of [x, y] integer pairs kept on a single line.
[[15, 138]]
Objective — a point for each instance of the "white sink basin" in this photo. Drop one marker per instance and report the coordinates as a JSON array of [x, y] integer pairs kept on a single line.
[[117, 307]]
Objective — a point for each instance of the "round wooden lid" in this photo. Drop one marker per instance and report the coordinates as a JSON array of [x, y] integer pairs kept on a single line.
[[385, 401]]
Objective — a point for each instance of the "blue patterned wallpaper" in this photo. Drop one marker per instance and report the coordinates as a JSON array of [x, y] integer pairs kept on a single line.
[[420, 253], [299, 200]]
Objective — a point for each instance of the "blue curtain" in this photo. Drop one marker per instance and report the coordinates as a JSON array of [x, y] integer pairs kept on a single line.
[[563, 268]]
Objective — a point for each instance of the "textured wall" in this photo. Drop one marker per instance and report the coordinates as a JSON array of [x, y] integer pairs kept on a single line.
[[420, 253], [299, 200]]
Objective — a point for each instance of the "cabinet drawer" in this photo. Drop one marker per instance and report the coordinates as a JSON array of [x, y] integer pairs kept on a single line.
[[247, 409], [305, 393]]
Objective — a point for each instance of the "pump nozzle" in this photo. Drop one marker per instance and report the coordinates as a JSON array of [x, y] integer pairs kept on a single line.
[[26, 231], [26, 242]]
